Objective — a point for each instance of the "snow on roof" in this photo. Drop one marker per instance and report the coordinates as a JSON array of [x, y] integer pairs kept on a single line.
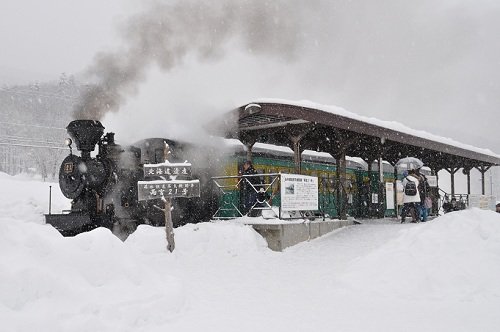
[[264, 147], [392, 125]]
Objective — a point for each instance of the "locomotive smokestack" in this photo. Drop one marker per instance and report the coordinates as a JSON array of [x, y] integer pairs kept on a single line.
[[85, 134]]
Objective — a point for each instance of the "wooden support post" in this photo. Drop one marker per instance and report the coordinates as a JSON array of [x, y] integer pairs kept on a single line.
[[297, 152], [169, 226], [452, 174], [468, 181], [369, 162], [435, 191], [340, 174], [452, 171], [396, 207], [167, 210], [381, 188], [483, 169]]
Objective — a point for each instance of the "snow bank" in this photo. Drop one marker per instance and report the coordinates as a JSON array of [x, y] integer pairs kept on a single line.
[[200, 240], [25, 199], [438, 276], [454, 257]]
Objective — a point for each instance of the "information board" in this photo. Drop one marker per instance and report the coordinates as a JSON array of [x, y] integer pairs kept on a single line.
[[299, 192], [389, 195], [483, 202]]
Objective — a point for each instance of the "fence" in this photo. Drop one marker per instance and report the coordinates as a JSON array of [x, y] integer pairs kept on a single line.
[[247, 194]]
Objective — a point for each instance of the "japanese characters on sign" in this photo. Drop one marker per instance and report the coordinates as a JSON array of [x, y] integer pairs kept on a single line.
[[169, 186], [167, 189], [167, 169], [299, 192]]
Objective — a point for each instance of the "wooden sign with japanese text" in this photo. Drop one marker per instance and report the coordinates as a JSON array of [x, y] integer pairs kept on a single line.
[[167, 170], [168, 189]]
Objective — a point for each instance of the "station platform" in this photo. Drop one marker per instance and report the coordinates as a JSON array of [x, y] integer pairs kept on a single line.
[[281, 234]]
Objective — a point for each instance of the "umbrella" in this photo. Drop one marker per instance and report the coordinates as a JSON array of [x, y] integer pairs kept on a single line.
[[410, 163]]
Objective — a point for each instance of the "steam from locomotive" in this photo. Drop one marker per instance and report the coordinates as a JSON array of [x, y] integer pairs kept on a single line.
[[166, 33]]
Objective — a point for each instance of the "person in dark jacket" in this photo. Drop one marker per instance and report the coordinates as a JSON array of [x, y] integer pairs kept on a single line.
[[423, 190], [250, 185]]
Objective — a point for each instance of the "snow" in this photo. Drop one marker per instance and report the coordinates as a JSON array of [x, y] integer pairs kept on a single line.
[[232, 143], [442, 275], [393, 125]]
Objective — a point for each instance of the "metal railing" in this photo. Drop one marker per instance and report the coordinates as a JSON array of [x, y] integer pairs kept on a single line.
[[265, 189], [449, 202], [234, 192]]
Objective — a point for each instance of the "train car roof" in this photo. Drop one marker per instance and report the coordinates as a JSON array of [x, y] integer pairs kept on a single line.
[[283, 151]]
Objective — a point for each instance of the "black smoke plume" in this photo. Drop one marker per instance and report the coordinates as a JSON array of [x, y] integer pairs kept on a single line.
[[166, 32]]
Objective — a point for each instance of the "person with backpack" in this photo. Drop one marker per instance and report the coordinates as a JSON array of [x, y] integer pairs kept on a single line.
[[411, 196], [423, 190]]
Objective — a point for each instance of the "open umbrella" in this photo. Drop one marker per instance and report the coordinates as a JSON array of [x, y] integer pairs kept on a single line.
[[409, 163]]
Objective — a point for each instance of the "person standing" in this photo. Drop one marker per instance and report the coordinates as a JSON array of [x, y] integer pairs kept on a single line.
[[249, 187], [423, 190], [411, 196]]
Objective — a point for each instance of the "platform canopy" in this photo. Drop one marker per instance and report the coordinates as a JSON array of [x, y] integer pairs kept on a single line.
[[305, 125]]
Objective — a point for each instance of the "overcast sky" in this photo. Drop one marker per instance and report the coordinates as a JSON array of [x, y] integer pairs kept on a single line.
[[432, 65]]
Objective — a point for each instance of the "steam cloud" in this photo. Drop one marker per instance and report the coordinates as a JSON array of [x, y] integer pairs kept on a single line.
[[166, 33]]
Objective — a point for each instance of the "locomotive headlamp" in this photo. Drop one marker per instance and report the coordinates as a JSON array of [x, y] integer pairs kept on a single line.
[[68, 141]]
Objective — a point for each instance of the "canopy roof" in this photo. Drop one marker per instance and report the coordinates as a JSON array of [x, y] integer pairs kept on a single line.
[[334, 130]]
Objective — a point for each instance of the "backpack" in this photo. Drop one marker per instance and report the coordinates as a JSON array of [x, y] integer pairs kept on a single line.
[[423, 186], [410, 188]]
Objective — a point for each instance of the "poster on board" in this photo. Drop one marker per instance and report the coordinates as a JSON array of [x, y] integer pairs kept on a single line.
[[389, 195], [299, 192]]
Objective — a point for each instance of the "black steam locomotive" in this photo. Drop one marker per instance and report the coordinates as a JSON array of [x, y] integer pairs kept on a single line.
[[103, 188]]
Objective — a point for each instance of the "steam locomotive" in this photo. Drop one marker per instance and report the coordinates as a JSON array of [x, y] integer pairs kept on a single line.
[[103, 188]]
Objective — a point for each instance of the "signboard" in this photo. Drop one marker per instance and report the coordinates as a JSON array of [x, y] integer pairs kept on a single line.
[[483, 202], [299, 192], [432, 180], [399, 192], [168, 169], [389, 195], [168, 189]]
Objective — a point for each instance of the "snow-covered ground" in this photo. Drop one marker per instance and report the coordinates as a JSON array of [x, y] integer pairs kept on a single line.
[[443, 275]]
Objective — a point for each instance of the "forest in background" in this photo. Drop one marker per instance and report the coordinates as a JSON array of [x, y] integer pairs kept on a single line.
[[33, 119]]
